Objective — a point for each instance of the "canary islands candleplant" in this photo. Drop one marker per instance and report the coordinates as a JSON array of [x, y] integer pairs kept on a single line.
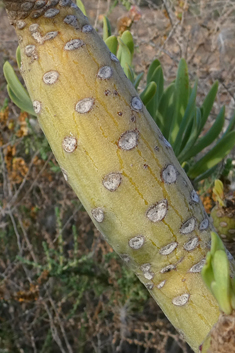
[[116, 158]]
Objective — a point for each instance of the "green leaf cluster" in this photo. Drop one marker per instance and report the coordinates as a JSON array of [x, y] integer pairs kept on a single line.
[[15, 89], [216, 275], [175, 111]]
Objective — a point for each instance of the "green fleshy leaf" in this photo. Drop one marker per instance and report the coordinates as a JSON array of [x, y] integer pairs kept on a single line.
[[205, 175], [106, 28], [127, 39], [181, 99], [112, 44], [209, 137], [188, 115], [18, 57], [231, 125], [216, 243], [124, 56], [185, 166], [192, 136], [138, 79], [165, 110], [131, 74], [81, 6], [214, 156], [25, 106], [14, 83], [207, 271], [216, 274], [188, 132], [158, 78], [154, 65], [148, 93], [16, 91], [221, 286], [208, 103]]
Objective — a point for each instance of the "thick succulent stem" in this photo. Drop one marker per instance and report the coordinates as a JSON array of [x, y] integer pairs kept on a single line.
[[116, 160]]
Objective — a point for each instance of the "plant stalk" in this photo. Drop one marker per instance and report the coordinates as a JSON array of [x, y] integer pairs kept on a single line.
[[116, 159]]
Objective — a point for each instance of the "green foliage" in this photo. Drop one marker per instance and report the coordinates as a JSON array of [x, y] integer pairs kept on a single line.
[[112, 44], [16, 91], [81, 6], [175, 111], [106, 29], [181, 101], [216, 275], [149, 92], [155, 74], [214, 156]]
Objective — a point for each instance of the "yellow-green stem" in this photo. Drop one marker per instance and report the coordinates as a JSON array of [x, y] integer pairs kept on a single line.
[[117, 161]]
